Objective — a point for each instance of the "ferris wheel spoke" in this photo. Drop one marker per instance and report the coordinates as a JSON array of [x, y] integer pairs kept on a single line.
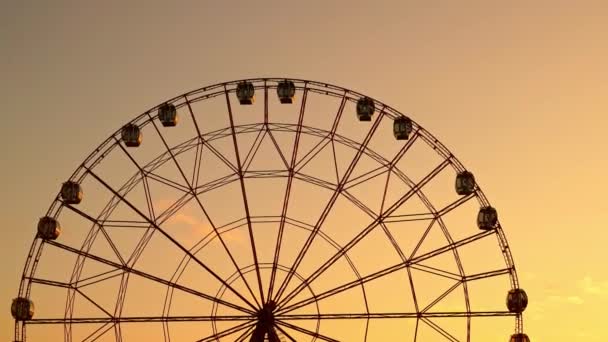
[[196, 168], [405, 148], [170, 238], [243, 337], [422, 238], [442, 296], [327, 264], [253, 150], [276, 145], [366, 176], [488, 274], [149, 200], [439, 329], [355, 201], [294, 156], [144, 319], [99, 332], [305, 331], [219, 155], [393, 242], [48, 282], [457, 203], [227, 332], [145, 174], [147, 171], [98, 278], [188, 185], [167, 182], [92, 301], [338, 117], [245, 204], [205, 213], [315, 181], [101, 229], [384, 272], [382, 205], [199, 146], [216, 183], [338, 190], [125, 268], [265, 104], [73, 288], [335, 159], [171, 210], [149, 174], [204, 141], [437, 272], [392, 315], [466, 278], [326, 137], [320, 146], [284, 333]]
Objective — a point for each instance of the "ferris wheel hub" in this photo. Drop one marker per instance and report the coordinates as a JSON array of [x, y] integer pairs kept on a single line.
[[266, 313], [265, 328]]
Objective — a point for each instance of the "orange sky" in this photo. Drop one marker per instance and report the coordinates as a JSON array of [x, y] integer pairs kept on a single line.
[[517, 91]]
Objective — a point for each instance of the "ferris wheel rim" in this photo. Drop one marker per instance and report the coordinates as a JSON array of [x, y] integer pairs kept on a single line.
[[146, 118]]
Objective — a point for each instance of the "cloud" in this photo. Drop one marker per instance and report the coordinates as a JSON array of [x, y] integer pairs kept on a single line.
[[566, 299], [198, 228], [592, 287], [575, 300], [183, 218], [163, 204], [582, 293]]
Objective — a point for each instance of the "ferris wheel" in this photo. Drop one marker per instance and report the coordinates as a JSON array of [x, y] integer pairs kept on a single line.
[[270, 209]]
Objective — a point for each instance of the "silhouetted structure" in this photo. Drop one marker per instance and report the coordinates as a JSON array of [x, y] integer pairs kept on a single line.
[[265, 310]]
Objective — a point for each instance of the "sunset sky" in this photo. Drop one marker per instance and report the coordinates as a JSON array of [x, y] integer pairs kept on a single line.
[[517, 90]]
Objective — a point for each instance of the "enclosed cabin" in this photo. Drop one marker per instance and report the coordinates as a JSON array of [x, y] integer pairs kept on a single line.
[[245, 93], [519, 338], [487, 218], [465, 183], [286, 91], [517, 300], [402, 128], [131, 135], [167, 114], [365, 109], [48, 228], [71, 192], [22, 309]]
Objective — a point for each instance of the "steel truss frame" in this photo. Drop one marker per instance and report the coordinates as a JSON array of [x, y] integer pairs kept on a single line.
[[281, 322]]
